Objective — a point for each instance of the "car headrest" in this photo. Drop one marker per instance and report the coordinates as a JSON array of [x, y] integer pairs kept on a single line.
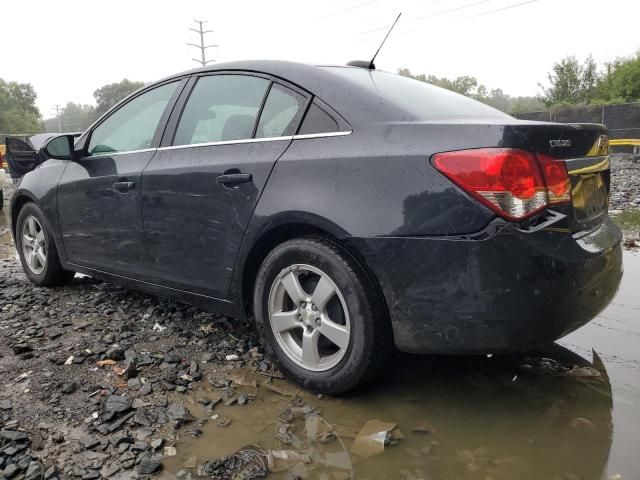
[[238, 127]]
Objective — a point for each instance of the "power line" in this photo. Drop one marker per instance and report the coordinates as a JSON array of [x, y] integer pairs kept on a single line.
[[499, 9], [203, 48], [444, 12], [437, 14], [348, 9], [428, 4], [467, 17]]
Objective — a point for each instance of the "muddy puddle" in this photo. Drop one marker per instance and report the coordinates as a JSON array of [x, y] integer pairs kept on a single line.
[[561, 413]]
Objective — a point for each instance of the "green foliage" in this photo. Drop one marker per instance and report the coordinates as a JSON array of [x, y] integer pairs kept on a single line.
[[73, 118], [572, 83], [566, 83], [470, 87], [621, 80], [107, 96], [18, 111]]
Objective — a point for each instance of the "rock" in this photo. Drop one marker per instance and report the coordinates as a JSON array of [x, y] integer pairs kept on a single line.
[[178, 412], [11, 471], [147, 467], [13, 436], [34, 471], [89, 442], [116, 403], [134, 383], [139, 446], [157, 443], [20, 348], [68, 388], [5, 404], [114, 352], [171, 357], [146, 389]]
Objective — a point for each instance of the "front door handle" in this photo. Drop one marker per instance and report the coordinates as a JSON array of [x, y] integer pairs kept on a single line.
[[231, 179], [123, 186]]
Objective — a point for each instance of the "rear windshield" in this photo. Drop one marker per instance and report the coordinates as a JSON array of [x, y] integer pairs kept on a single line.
[[422, 100]]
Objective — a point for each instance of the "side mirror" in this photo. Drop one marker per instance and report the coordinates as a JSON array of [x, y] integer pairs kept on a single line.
[[60, 147]]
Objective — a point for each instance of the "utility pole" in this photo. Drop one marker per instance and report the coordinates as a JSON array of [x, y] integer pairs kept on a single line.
[[57, 107], [200, 31]]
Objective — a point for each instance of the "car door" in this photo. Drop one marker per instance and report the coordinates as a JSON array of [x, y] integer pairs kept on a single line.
[[99, 194], [200, 190]]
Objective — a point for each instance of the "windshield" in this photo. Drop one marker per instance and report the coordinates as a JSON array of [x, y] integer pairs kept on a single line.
[[420, 99]]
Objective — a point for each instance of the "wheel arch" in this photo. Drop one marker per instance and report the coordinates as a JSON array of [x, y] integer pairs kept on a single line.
[[18, 202], [295, 226]]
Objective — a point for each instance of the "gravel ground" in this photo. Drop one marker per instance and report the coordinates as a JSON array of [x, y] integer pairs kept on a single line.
[[95, 376], [625, 183]]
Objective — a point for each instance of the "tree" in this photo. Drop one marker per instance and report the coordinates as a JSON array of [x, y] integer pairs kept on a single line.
[[621, 81], [18, 111], [107, 96], [589, 80], [469, 86], [566, 83], [73, 118]]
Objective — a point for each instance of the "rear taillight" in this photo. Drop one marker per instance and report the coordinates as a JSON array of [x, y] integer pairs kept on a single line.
[[509, 181], [557, 179]]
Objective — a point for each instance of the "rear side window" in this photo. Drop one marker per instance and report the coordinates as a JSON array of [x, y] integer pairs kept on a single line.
[[221, 108], [281, 113], [132, 126], [421, 100], [317, 121]]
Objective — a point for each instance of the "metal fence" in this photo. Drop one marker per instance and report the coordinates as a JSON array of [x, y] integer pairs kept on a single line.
[[622, 120]]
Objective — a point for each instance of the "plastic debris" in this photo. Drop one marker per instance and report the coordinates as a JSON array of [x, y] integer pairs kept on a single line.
[[373, 437]]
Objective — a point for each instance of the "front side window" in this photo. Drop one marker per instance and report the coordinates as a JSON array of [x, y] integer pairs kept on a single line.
[[132, 126], [281, 113], [221, 108]]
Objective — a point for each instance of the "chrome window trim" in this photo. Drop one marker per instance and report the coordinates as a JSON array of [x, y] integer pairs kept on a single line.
[[112, 154], [256, 140], [320, 135], [227, 142]]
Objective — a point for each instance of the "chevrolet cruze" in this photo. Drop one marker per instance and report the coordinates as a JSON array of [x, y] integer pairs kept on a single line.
[[351, 212]]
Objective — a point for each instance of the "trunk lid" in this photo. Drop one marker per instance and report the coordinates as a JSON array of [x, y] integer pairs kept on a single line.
[[584, 148]]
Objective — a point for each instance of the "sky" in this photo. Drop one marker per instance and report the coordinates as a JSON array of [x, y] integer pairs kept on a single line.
[[66, 49]]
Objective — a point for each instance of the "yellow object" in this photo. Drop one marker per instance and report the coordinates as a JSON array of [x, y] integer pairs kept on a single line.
[[624, 141]]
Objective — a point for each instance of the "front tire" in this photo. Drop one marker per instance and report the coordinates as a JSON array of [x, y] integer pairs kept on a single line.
[[320, 317], [37, 250]]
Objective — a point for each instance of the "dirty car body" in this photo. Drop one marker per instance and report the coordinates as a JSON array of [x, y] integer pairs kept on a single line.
[[461, 261]]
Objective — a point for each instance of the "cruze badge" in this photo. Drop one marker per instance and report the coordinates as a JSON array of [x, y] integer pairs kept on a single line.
[[560, 143]]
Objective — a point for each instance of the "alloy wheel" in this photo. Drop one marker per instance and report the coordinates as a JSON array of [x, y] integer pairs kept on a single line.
[[34, 247], [309, 317]]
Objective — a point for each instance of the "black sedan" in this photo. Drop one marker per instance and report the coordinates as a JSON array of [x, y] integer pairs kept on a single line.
[[350, 211]]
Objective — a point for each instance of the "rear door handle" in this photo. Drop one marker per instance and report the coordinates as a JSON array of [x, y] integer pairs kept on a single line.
[[123, 186], [234, 178]]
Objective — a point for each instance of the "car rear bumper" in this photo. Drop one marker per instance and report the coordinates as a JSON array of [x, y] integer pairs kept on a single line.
[[509, 291]]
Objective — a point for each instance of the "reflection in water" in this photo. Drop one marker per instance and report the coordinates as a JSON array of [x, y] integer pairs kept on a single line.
[[539, 417]]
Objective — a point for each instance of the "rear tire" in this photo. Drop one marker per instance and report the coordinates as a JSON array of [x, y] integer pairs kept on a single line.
[[37, 250], [320, 317]]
